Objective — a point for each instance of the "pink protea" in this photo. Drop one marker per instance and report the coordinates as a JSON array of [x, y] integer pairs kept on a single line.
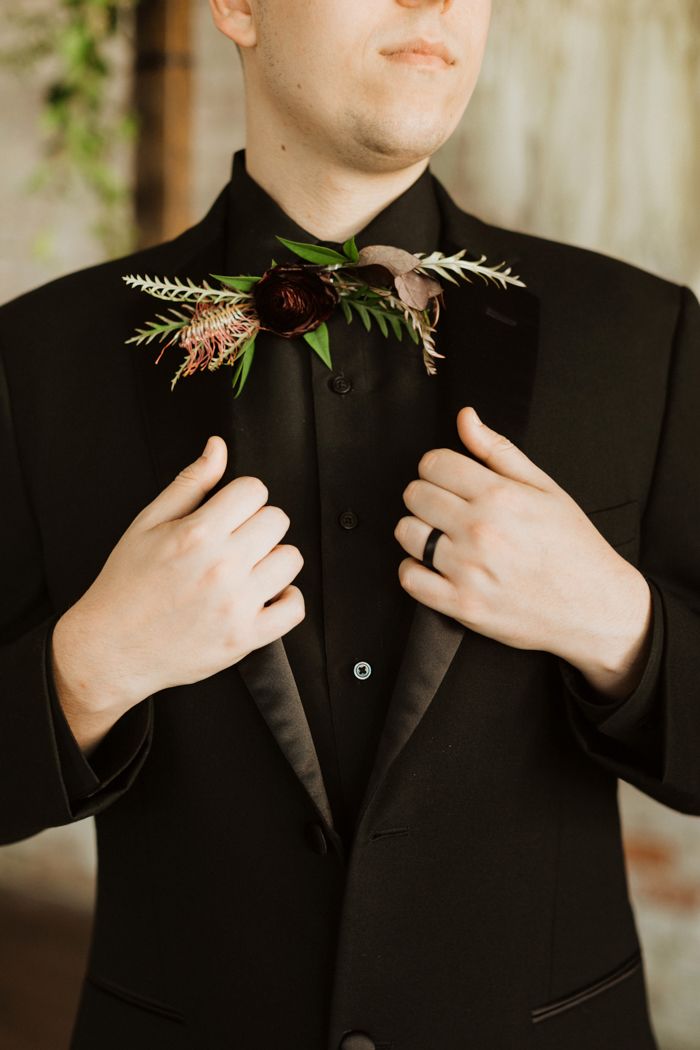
[[215, 334]]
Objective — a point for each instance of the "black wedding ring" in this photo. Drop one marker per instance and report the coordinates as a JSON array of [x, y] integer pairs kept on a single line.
[[429, 548]]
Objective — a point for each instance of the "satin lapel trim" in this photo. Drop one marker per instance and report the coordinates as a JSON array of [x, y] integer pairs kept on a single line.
[[177, 424], [490, 336]]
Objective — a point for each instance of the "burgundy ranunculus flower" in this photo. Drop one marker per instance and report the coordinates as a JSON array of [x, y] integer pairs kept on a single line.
[[291, 300]]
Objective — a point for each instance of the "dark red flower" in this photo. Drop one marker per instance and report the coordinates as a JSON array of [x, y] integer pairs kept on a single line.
[[291, 300]]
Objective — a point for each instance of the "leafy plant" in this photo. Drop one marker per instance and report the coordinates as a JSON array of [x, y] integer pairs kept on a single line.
[[69, 41]]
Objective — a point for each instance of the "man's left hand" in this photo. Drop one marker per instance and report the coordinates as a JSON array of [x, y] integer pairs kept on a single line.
[[519, 560]]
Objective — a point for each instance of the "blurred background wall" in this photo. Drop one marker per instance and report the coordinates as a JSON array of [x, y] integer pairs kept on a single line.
[[584, 128]]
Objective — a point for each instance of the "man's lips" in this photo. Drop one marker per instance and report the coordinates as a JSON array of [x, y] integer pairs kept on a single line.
[[421, 52]]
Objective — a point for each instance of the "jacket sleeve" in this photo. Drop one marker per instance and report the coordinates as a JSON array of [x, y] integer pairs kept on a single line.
[[45, 780], [651, 738]]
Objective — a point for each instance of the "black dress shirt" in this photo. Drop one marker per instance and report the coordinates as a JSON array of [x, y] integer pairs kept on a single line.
[[336, 448]]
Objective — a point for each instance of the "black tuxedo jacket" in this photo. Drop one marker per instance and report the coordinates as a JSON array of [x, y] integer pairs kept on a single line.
[[483, 901]]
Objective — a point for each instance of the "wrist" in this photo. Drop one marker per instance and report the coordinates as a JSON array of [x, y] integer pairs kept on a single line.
[[613, 661], [81, 674]]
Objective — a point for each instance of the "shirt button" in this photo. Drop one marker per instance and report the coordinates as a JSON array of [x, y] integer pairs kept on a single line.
[[348, 519], [362, 669], [340, 384], [357, 1041]]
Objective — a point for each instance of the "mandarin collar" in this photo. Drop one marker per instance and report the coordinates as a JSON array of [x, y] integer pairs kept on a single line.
[[411, 221]]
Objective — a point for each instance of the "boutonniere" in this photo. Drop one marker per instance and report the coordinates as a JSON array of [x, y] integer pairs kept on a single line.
[[392, 287]]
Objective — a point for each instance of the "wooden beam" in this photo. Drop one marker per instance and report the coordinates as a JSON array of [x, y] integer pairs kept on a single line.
[[163, 102]]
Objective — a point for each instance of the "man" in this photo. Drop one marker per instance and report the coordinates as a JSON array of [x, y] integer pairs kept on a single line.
[[374, 808]]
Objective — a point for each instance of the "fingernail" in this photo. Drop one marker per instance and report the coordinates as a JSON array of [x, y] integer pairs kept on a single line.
[[207, 449], [476, 417]]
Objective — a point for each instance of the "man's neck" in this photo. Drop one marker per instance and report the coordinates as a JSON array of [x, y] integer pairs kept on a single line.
[[330, 200]]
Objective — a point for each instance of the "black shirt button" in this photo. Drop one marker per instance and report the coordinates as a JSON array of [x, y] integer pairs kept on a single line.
[[348, 519], [316, 837], [357, 1041], [340, 384]]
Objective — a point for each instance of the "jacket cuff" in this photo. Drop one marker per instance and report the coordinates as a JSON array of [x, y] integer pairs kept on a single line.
[[120, 746]]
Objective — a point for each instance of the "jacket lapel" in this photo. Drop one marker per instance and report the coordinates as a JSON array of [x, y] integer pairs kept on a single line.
[[489, 338], [178, 422]]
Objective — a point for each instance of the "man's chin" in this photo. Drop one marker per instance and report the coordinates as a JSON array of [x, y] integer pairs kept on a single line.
[[403, 149]]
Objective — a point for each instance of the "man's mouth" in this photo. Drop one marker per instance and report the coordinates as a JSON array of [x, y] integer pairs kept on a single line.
[[420, 52]]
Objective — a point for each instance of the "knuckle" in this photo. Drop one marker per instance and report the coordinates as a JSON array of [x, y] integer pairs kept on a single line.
[[481, 530], [299, 557], [502, 496], [255, 486], [279, 516], [428, 459], [187, 474], [216, 574], [191, 533], [299, 602]]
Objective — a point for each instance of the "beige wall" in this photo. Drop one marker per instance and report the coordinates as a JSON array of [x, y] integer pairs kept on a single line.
[[583, 128]]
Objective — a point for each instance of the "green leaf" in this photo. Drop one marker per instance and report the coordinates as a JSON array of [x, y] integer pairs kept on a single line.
[[239, 284], [351, 251], [243, 364], [413, 333], [362, 311], [318, 340], [313, 253], [395, 323], [381, 321], [346, 309]]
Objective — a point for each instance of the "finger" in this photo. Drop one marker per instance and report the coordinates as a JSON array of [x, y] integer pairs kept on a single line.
[[412, 534], [276, 571], [499, 453], [284, 612], [437, 507], [255, 539], [455, 472], [233, 505], [188, 488], [428, 587]]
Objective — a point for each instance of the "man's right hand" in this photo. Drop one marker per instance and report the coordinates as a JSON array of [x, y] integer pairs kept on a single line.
[[182, 595]]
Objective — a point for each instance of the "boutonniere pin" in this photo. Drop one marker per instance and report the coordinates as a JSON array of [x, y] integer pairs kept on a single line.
[[392, 287]]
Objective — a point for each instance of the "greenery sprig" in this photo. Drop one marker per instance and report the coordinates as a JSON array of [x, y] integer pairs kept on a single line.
[[83, 124], [380, 284]]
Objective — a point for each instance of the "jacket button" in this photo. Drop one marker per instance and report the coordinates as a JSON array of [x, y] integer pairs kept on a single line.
[[316, 837], [348, 519], [357, 1041], [340, 385]]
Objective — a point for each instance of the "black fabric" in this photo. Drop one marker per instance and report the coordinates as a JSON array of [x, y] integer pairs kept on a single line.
[[478, 896], [355, 452]]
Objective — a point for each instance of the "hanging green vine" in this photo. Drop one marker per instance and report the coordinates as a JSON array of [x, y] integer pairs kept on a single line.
[[83, 126]]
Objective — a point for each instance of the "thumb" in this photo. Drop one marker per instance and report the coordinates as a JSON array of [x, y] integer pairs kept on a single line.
[[188, 488], [499, 453]]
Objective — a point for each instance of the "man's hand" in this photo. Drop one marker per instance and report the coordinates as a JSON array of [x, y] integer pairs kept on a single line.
[[520, 561], [192, 586]]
